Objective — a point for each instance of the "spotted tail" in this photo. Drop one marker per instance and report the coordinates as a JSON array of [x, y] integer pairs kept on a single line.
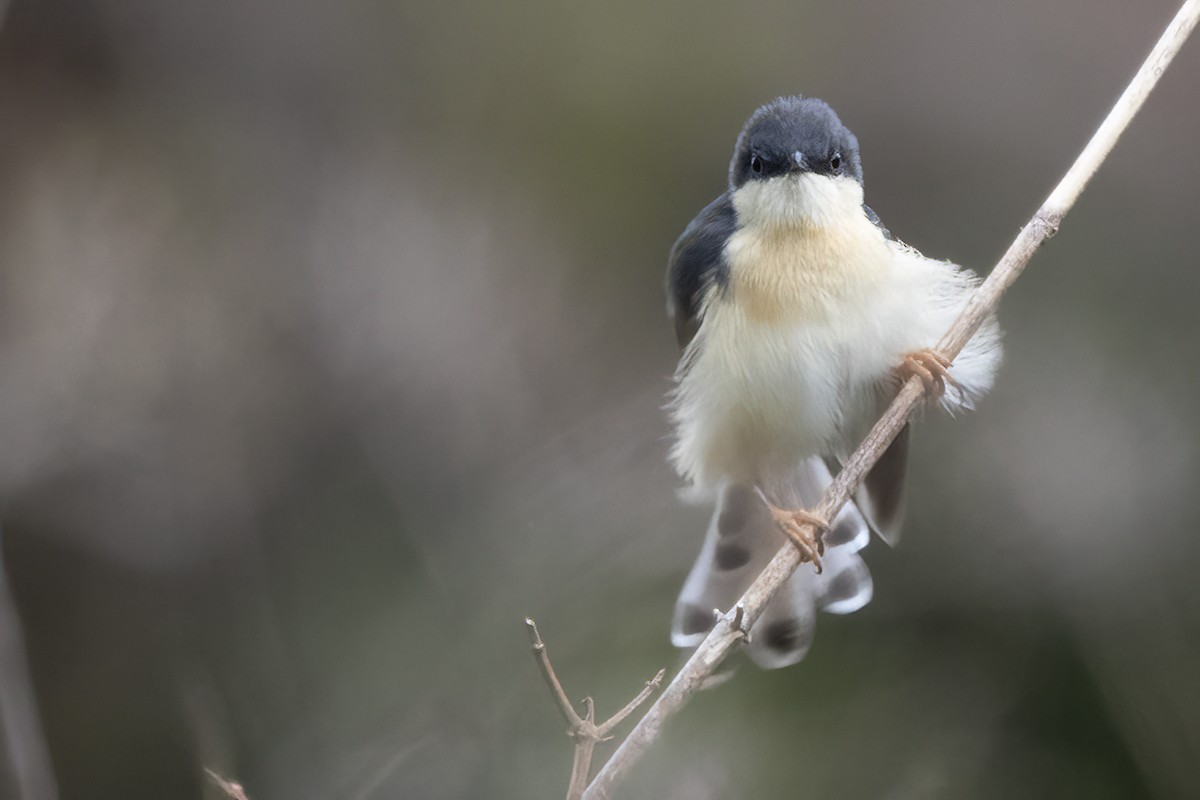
[[741, 539]]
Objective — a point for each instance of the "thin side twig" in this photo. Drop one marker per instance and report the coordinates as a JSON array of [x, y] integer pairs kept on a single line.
[[1044, 224], [583, 730], [619, 717], [232, 789], [543, 661], [24, 753]]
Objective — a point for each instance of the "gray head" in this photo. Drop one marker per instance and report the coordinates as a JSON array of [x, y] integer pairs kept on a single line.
[[794, 135]]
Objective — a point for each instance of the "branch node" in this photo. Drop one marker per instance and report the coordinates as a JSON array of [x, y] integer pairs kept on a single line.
[[589, 710], [583, 730], [737, 623], [1049, 222]]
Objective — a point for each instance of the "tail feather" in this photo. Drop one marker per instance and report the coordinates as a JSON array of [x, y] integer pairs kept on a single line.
[[742, 538]]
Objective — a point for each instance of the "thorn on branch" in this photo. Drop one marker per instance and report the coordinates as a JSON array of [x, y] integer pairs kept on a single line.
[[739, 613], [737, 623]]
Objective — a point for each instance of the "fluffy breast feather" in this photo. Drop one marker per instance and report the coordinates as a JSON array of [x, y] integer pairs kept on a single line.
[[777, 365], [796, 354]]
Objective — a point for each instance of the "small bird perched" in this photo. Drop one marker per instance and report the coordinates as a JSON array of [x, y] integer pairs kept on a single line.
[[800, 316]]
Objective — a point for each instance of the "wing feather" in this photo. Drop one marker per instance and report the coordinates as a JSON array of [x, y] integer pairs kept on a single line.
[[880, 498], [697, 261]]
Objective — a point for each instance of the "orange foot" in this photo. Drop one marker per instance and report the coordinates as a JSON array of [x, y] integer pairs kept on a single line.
[[931, 367], [804, 528]]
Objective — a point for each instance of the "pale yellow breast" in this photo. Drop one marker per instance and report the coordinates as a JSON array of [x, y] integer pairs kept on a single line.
[[798, 273]]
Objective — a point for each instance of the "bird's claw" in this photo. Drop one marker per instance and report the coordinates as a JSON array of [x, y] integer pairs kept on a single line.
[[806, 530], [931, 367]]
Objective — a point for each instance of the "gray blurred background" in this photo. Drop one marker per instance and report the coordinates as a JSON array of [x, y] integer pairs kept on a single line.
[[332, 345]]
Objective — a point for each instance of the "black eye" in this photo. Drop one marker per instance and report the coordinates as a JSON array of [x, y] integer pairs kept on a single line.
[[835, 161], [756, 165]]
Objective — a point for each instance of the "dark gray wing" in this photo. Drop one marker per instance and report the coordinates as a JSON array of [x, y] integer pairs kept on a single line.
[[877, 222], [880, 498], [697, 261]]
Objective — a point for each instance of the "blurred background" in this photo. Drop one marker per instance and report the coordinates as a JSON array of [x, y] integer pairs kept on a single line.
[[332, 345]]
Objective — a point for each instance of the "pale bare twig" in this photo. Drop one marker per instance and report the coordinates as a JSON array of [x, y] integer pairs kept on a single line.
[[23, 746], [543, 662], [232, 789], [1044, 224], [583, 730], [616, 719]]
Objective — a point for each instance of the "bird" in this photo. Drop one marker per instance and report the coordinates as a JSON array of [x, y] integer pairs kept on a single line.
[[799, 316]]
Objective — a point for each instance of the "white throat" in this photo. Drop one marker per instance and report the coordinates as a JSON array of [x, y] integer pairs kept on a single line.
[[802, 200]]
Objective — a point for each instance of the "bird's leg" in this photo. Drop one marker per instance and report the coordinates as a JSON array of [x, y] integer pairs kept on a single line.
[[803, 527], [931, 367]]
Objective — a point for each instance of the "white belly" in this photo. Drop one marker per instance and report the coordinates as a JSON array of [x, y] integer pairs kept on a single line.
[[789, 357], [758, 398]]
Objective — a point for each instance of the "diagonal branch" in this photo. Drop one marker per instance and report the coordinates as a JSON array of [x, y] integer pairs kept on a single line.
[[1044, 224]]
